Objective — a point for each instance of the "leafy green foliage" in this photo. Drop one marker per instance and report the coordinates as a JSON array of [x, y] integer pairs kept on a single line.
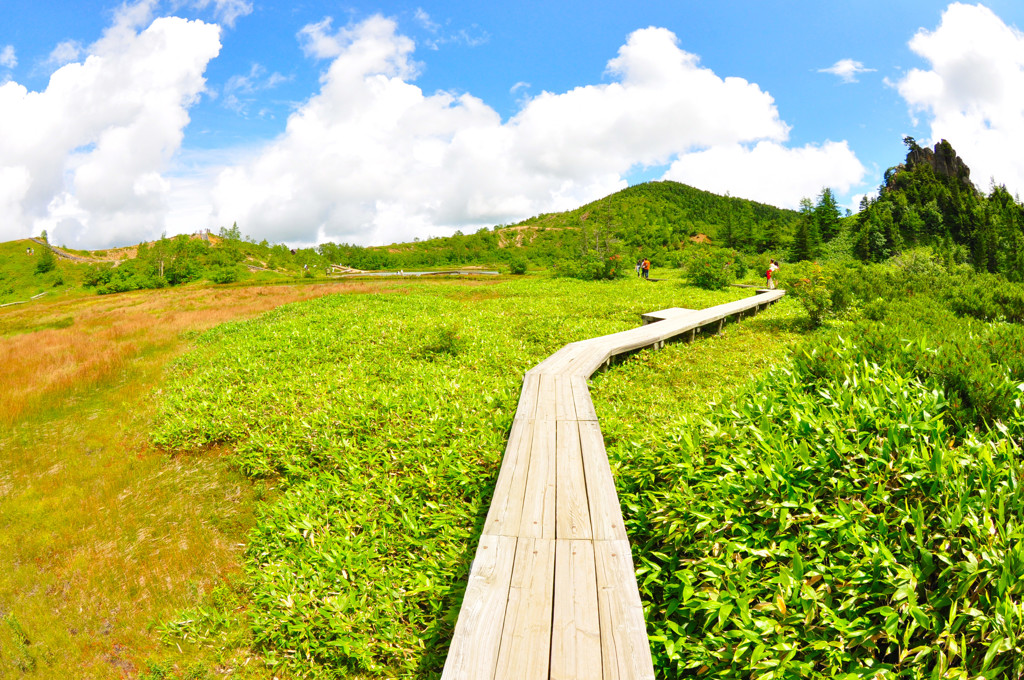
[[711, 268], [856, 511], [810, 285], [46, 261]]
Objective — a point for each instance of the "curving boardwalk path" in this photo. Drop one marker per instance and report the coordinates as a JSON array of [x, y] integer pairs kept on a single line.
[[552, 591]]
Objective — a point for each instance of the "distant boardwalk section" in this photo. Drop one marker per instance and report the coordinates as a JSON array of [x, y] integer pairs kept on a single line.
[[552, 591]]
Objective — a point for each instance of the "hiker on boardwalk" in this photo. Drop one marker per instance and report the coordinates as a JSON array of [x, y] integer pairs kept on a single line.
[[639, 264], [773, 266], [646, 267]]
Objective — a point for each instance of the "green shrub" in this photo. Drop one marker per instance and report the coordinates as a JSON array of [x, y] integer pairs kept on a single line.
[[444, 340], [710, 268], [809, 283], [876, 309], [592, 267], [225, 274], [517, 266]]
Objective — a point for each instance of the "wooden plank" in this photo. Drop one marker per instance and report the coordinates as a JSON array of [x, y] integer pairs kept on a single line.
[[527, 406], [525, 650], [474, 650], [547, 398], [507, 503], [590, 360], [662, 314], [581, 398], [556, 363], [625, 649], [572, 512], [565, 404], [576, 632], [538, 519], [605, 513]]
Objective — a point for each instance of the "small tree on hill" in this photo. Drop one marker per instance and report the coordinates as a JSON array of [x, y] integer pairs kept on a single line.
[[47, 261]]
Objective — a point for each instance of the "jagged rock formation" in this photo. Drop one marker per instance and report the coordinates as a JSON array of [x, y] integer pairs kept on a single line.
[[943, 161]]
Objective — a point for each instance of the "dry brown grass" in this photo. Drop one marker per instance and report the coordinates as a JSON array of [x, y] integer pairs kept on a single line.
[[43, 365], [102, 537]]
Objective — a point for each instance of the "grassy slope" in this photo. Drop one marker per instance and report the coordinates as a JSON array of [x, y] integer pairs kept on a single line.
[[19, 280]]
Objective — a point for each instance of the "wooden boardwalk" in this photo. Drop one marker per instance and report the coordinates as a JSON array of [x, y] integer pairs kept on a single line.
[[552, 591]]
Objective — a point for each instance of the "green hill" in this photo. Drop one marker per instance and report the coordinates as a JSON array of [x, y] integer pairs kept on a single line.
[[653, 219], [27, 271]]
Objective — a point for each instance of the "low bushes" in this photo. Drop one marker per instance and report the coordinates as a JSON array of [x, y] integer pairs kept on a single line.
[[711, 268], [856, 513]]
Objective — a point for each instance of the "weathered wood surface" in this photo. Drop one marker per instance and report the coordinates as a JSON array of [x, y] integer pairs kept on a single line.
[[552, 591]]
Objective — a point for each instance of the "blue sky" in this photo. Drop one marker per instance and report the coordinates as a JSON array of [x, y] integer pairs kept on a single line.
[[380, 122]]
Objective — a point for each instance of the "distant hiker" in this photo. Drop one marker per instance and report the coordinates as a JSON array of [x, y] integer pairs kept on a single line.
[[646, 267], [639, 263], [773, 266]]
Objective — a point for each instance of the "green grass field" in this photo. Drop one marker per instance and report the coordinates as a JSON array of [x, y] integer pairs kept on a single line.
[[799, 504], [381, 420]]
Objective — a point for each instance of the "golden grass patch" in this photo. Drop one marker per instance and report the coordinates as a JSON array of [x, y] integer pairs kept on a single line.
[[101, 537]]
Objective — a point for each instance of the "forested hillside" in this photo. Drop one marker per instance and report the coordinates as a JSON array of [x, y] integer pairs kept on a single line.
[[929, 200]]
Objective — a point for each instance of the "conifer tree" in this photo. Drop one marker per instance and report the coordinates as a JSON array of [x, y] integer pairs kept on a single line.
[[826, 214], [806, 237]]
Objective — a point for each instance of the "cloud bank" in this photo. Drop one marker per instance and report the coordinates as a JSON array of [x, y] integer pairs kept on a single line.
[[96, 158], [83, 158], [373, 159], [973, 92]]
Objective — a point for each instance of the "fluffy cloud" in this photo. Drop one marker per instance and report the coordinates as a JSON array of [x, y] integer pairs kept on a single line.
[[84, 158], [373, 159], [769, 172], [846, 69], [8, 57], [973, 93]]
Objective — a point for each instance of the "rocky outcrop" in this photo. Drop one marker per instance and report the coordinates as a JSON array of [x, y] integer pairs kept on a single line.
[[943, 161]]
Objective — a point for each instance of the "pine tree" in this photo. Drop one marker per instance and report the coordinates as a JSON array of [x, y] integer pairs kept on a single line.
[[826, 214], [806, 237], [47, 260]]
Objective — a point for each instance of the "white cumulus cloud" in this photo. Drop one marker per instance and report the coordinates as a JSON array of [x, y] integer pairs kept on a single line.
[[372, 158], [973, 93], [85, 157], [770, 172], [846, 69]]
